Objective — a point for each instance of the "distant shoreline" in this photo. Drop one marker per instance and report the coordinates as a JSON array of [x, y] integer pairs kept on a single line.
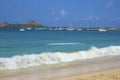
[[39, 27], [34, 24]]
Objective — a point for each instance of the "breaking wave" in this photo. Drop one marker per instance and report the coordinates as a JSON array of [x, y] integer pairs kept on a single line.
[[16, 62], [55, 44]]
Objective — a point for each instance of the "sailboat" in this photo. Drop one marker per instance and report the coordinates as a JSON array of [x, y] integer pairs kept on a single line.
[[21, 29], [29, 28], [70, 28], [102, 30]]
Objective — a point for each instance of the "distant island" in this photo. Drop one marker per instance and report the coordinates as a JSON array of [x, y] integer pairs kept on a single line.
[[31, 23], [34, 24]]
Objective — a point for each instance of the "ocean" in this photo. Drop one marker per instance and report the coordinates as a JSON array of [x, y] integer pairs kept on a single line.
[[36, 47]]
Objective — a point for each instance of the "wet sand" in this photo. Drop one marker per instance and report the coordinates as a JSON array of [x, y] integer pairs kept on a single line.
[[59, 71], [113, 74]]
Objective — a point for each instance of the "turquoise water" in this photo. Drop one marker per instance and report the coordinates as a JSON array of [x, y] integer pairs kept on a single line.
[[13, 42], [36, 47]]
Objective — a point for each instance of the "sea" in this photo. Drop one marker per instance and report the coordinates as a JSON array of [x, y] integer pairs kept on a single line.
[[21, 49]]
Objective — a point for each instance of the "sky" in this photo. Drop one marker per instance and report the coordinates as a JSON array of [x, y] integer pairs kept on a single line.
[[62, 12]]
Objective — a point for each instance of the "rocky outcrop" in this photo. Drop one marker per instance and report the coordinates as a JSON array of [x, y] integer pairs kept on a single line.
[[4, 24], [32, 22]]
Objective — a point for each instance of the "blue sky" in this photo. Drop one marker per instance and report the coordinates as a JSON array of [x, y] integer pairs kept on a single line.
[[62, 12]]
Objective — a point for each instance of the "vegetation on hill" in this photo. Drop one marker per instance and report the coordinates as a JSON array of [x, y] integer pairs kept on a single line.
[[31, 23]]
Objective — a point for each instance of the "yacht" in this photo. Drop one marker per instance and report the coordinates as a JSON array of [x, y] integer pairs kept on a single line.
[[102, 30], [22, 29], [29, 28], [79, 29], [70, 29]]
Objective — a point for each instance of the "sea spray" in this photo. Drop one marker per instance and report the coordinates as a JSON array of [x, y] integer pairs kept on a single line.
[[16, 62]]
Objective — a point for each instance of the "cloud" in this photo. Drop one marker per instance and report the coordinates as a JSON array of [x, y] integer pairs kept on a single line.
[[58, 15], [91, 17], [63, 12], [109, 4]]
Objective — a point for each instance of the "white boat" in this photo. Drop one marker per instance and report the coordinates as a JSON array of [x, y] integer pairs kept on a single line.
[[60, 28], [50, 29], [22, 29], [70, 29], [79, 29], [29, 28], [55, 29], [102, 30]]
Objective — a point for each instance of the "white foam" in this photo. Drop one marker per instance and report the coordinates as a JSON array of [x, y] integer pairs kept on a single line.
[[56, 57], [63, 44]]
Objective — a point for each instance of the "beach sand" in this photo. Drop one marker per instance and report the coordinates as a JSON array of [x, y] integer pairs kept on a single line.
[[113, 74], [67, 71]]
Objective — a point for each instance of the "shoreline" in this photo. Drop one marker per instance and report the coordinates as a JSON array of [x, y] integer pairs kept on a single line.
[[70, 69]]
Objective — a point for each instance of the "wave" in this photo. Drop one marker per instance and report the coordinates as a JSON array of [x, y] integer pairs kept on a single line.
[[55, 44], [16, 62]]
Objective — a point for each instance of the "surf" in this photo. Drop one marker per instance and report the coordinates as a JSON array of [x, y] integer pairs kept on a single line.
[[23, 61]]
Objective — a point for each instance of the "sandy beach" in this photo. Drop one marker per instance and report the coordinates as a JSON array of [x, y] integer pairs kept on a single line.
[[68, 71], [113, 74]]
